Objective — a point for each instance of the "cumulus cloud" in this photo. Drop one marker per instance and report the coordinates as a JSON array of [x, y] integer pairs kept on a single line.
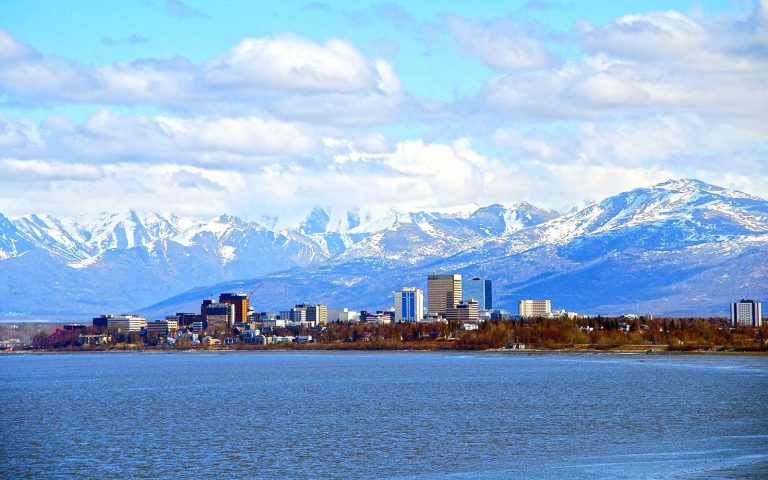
[[602, 85], [12, 49], [641, 141], [287, 75], [22, 134], [111, 137], [279, 124], [500, 44], [411, 175], [32, 171], [672, 38], [289, 62], [78, 188]]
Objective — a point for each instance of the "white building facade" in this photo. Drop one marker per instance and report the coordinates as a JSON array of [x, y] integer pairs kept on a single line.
[[535, 308], [746, 313], [409, 305]]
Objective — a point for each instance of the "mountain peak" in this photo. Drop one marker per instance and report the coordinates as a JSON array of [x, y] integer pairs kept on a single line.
[[316, 222], [693, 185]]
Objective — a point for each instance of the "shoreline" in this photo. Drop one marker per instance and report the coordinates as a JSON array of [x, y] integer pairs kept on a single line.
[[619, 351]]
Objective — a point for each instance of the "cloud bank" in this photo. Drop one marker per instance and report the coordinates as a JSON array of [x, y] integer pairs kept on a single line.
[[278, 124]]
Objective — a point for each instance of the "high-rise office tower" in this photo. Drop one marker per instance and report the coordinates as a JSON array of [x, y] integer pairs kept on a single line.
[[746, 312], [480, 290], [443, 293], [240, 301], [409, 305]]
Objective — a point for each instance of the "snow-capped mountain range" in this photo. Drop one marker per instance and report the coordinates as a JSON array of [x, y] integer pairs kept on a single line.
[[121, 261], [678, 247]]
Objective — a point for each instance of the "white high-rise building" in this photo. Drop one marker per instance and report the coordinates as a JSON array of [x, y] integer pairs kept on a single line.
[[409, 305], [535, 308], [746, 313]]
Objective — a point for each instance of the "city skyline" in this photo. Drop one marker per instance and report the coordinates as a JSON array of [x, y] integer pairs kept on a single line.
[[203, 107]]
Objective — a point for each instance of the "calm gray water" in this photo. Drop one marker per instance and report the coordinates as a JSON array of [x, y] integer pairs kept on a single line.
[[382, 415]]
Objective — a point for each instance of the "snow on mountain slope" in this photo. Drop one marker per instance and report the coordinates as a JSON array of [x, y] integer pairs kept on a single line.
[[680, 247], [81, 240], [12, 244], [653, 241], [674, 212], [429, 235], [354, 222]]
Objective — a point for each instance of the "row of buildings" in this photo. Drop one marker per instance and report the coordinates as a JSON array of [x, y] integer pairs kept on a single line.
[[448, 299]]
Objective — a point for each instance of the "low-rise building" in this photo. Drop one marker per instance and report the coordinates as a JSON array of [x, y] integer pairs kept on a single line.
[[378, 318], [74, 327], [102, 321], [342, 315], [249, 336], [278, 323], [163, 328], [500, 314], [464, 312], [95, 340], [283, 339], [126, 323], [220, 314]]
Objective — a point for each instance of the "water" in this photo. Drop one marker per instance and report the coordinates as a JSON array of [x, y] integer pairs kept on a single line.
[[382, 415]]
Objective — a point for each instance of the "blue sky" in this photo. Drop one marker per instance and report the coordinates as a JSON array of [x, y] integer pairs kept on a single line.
[[247, 104]]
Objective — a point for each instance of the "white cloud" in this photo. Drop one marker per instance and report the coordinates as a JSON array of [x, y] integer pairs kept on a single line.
[[672, 141], [111, 137], [413, 175], [19, 134], [670, 37], [58, 188], [12, 49], [500, 44], [277, 125], [147, 82], [288, 62], [654, 63], [648, 36], [31, 171], [601, 85], [287, 75]]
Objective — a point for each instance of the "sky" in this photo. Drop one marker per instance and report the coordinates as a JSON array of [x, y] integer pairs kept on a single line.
[[268, 109]]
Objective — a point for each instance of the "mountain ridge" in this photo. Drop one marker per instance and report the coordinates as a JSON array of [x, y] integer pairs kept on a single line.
[[657, 243], [89, 255], [123, 260]]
